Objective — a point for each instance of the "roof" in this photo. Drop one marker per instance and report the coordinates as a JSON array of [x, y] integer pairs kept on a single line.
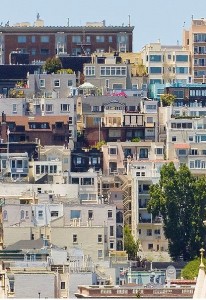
[[25, 120], [27, 245]]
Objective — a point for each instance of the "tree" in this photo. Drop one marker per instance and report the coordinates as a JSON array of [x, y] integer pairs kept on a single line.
[[167, 99], [190, 271], [137, 139], [180, 198], [130, 245], [52, 65]]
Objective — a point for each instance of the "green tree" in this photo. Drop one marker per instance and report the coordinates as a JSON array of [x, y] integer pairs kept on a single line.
[[167, 99], [190, 271], [137, 139], [99, 145], [52, 65], [130, 245], [65, 71], [180, 198]]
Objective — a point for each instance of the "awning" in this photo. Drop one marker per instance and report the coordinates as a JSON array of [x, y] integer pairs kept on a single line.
[[182, 146]]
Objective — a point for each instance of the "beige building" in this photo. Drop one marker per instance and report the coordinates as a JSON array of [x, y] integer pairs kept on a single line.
[[194, 40], [166, 63], [183, 128]]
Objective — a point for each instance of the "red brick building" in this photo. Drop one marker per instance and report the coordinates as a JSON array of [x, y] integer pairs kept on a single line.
[[49, 130], [41, 42]]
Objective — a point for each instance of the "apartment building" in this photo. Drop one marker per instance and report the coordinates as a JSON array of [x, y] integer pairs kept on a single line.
[[194, 40], [88, 185], [166, 63], [185, 136], [40, 42], [117, 155], [115, 118]]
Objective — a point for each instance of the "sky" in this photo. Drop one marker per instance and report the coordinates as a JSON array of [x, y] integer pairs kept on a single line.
[[162, 20]]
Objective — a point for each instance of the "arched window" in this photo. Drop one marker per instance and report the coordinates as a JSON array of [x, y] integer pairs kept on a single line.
[[22, 214], [5, 215]]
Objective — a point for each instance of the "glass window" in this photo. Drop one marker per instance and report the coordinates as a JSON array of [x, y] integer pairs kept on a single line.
[[70, 83], [109, 214], [149, 232], [14, 108], [40, 214], [56, 83], [100, 39], [182, 57], [76, 39], [89, 71], [90, 214], [33, 39], [111, 230], [155, 58], [5, 215], [22, 214], [100, 253], [182, 152], [44, 39], [21, 39], [63, 285], [100, 239], [75, 238], [75, 214], [42, 83], [49, 107], [143, 153], [65, 107], [110, 39], [159, 151], [44, 51], [155, 70]]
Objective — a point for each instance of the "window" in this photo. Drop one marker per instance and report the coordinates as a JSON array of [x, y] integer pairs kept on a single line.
[[155, 58], [149, 232], [33, 39], [63, 285], [143, 153], [40, 214], [174, 139], [111, 230], [191, 138], [181, 70], [75, 214], [183, 58], [100, 253], [155, 70], [41, 83], [110, 39], [182, 152], [75, 238], [193, 152], [89, 71], [112, 151], [21, 39], [149, 119], [14, 107], [44, 51], [109, 214], [44, 39], [70, 120], [5, 215], [157, 231], [100, 39], [33, 51], [56, 83], [27, 214], [87, 181], [65, 107], [111, 245], [70, 83], [76, 39], [113, 71], [49, 107], [54, 213], [22, 215], [100, 238], [159, 151], [150, 246], [90, 214]]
